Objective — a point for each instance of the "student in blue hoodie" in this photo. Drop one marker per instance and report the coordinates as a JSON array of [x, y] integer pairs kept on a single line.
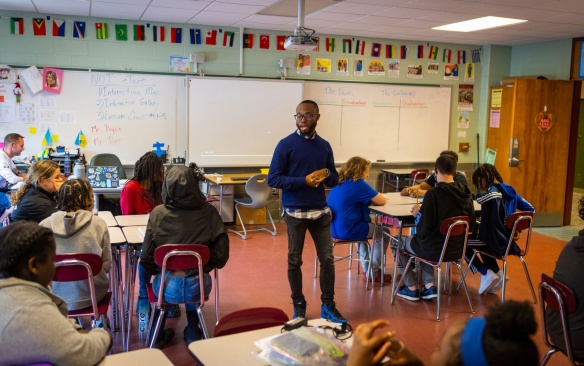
[[498, 200]]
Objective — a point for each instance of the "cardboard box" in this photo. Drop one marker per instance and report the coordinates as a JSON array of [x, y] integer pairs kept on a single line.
[[251, 216]]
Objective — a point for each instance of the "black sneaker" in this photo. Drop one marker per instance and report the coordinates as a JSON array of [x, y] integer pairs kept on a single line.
[[299, 310], [430, 293], [329, 312], [163, 338], [172, 310]]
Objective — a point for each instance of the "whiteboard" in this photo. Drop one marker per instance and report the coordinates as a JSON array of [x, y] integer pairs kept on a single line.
[[382, 122], [239, 122], [120, 113]]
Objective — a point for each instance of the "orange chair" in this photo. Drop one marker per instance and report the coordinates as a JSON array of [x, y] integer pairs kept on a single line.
[[516, 222], [559, 297], [81, 266], [177, 257], [454, 226], [250, 319]]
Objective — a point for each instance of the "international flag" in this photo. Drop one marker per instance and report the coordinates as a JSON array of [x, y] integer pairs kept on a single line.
[[211, 37], [158, 33], [81, 140], [39, 27], [433, 54], [375, 49], [330, 45], [121, 32], [360, 47], [195, 36], [58, 27], [48, 139], [390, 51], [16, 26], [461, 57], [228, 39], [101, 30], [247, 40], [264, 41], [78, 29], [280, 40], [403, 52], [476, 55], [420, 51], [347, 45], [139, 31], [446, 55], [175, 35]]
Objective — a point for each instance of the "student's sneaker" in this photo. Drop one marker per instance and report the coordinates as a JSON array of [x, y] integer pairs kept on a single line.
[[173, 310], [164, 337], [497, 286], [406, 293], [430, 293], [329, 312], [299, 310], [487, 281], [143, 311]]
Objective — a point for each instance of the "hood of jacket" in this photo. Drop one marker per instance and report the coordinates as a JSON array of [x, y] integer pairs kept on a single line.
[[459, 193], [28, 291], [181, 189], [66, 224], [507, 191]]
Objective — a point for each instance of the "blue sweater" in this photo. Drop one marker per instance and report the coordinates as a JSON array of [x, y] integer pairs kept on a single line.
[[294, 158]]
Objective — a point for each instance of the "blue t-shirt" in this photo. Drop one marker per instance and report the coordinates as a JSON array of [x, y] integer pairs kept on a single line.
[[349, 203]]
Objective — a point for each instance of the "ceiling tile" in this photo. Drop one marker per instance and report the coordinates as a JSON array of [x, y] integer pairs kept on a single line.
[[117, 11], [17, 5], [405, 13], [353, 8], [329, 15], [171, 15], [234, 8], [181, 4], [65, 7], [215, 18]]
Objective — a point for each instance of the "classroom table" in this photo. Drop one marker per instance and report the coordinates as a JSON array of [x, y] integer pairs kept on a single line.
[[117, 239], [108, 217], [395, 198], [142, 357], [222, 180], [132, 220], [98, 191], [393, 176], [240, 348]]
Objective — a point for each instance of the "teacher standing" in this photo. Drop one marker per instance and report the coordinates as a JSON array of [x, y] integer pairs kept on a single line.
[[301, 163]]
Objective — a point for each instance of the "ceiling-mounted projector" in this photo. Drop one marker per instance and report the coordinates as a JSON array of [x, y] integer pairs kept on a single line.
[[301, 43]]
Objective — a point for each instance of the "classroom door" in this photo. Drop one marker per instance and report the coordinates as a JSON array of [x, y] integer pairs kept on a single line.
[[535, 151]]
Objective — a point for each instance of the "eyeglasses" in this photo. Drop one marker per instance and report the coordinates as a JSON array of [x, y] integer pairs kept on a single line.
[[305, 116]]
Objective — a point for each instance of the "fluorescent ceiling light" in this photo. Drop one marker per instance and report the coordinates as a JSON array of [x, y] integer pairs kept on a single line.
[[479, 24]]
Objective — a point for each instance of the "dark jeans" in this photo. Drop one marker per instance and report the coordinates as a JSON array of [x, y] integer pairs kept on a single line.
[[320, 230]]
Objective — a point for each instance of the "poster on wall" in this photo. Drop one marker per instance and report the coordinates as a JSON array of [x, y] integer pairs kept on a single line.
[[465, 97], [376, 68], [179, 64], [433, 67], [415, 72], [342, 67], [393, 69], [303, 66], [451, 72], [323, 65], [53, 80], [358, 68], [469, 72]]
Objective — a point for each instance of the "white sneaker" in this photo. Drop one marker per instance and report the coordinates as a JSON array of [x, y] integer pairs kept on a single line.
[[487, 281], [497, 286]]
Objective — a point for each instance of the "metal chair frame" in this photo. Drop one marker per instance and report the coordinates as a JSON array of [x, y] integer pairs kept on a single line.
[[350, 257], [417, 174], [258, 190], [454, 226]]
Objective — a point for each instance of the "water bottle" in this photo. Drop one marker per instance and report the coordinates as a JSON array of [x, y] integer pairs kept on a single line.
[[67, 165], [79, 169]]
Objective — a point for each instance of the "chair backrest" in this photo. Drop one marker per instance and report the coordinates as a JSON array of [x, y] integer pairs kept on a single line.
[[519, 221], [259, 191], [109, 160], [559, 297], [454, 226], [419, 174], [181, 256], [250, 319]]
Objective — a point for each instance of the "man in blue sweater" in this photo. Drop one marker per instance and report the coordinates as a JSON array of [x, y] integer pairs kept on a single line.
[[301, 162]]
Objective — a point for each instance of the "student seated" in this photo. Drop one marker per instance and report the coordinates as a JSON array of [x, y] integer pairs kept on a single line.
[[349, 202], [502, 338], [569, 272], [34, 327], [420, 189], [448, 199], [184, 218], [37, 198], [498, 200], [77, 230]]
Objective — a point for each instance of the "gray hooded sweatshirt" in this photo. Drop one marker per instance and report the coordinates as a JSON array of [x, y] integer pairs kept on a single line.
[[34, 328], [81, 232]]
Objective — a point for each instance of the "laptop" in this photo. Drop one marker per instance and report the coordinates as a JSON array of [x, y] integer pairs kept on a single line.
[[103, 176]]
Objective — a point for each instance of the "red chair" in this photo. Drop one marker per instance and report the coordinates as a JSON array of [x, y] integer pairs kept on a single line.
[[559, 297], [416, 175], [177, 257], [250, 319], [454, 226], [78, 267], [516, 222]]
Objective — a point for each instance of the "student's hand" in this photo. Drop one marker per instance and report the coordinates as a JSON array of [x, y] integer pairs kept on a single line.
[[406, 191], [415, 209], [321, 173], [369, 349], [315, 178], [24, 176]]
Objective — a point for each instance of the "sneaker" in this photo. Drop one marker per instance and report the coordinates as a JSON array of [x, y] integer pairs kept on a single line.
[[497, 286], [329, 312], [143, 312], [430, 293], [189, 337], [164, 337], [172, 310], [487, 281], [386, 278], [299, 310], [408, 294]]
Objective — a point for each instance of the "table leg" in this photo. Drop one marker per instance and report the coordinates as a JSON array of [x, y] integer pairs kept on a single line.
[[397, 182], [131, 267], [216, 274], [396, 260], [116, 287]]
